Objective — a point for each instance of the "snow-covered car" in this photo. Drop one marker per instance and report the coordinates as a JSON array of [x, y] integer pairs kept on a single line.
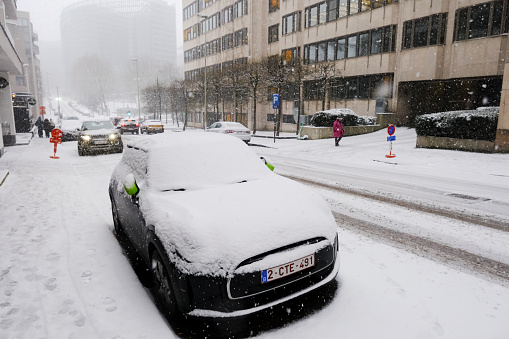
[[70, 126], [231, 128], [129, 125], [222, 234], [99, 136], [152, 126]]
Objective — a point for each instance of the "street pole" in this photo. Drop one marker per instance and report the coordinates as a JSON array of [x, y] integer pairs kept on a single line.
[[137, 88], [49, 94], [205, 77], [58, 101]]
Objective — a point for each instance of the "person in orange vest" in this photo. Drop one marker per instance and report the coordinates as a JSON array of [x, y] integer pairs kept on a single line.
[[338, 130]]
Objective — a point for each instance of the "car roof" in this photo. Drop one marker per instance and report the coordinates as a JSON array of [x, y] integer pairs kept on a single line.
[[193, 160]]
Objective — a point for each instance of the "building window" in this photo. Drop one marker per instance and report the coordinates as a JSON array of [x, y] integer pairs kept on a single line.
[[352, 46], [341, 49], [290, 55], [363, 44], [479, 21], [273, 5], [241, 37], [227, 14], [376, 41], [332, 10], [241, 8], [425, 31], [227, 42], [313, 90], [273, 33], [315, 15], [291, 23]]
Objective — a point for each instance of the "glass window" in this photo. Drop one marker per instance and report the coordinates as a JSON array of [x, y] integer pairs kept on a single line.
[[351, 88], [433, 34], [313, 16], [386, 39], [376, 41], [323, 13], [462, 24], [312, 54], [377, 3], [407, 34], [352, 45], [363, 44], [363, 88], [321, 51], [273, 33], [498, 8], [479, 19], [354, 6], [421, 28], [365, 5], [332, 10], [330, 50], [341, 49], [343, 8]]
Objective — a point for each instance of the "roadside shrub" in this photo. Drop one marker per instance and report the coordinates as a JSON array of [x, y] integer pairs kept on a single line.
[[326, 118], [480, 124]]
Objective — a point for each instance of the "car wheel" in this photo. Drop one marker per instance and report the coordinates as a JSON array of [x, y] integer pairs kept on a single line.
[[81, 152], [121, 132], [116, 221], [137, 132], [162, 287]]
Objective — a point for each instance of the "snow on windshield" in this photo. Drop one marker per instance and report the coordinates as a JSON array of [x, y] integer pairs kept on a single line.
[[95, 125], [193, 161]]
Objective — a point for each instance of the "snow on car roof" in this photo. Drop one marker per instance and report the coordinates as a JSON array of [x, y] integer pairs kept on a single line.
[[198, 160]]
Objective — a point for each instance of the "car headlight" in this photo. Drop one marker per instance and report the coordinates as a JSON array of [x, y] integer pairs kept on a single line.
[[85, 137], [113, 136]]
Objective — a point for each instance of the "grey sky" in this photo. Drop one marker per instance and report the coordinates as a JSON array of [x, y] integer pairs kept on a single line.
[[45, 15]]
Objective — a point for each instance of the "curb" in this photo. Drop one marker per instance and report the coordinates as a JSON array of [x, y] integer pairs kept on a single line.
[[3, 177]]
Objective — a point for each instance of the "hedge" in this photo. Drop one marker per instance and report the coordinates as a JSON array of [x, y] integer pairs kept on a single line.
[[327, 118], [480, 124]]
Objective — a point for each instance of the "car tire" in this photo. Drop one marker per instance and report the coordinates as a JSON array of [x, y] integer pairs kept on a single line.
[[162, 288], [121, 132], [137, 132], [81, 152]]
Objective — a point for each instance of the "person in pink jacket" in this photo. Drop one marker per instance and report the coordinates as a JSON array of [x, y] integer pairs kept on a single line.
[[338, 130]]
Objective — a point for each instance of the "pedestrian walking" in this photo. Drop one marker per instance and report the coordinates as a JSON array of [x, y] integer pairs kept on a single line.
[[40, 129], [338, 130], [46, 125]]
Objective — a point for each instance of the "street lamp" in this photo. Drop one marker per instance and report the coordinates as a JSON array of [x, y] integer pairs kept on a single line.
[[58, 101], [205, 76], [49, 95], [137, 87]]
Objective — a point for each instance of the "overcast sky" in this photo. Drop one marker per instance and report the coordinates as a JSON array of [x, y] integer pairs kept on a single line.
[[45, 15]]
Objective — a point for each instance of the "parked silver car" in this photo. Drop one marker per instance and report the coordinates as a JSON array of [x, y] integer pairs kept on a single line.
[[231, 128]]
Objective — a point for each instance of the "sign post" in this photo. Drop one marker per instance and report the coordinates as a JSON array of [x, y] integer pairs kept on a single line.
[[390, 130], [42, 111], [56, 138], [275, 106]]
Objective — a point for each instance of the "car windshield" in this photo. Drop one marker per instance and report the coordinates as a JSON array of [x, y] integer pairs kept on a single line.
[[95, 125]]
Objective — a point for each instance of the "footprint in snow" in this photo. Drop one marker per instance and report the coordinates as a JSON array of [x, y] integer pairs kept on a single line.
[[109, 304]]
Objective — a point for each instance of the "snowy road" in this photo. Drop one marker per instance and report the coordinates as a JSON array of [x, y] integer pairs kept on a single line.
[[63, 273]]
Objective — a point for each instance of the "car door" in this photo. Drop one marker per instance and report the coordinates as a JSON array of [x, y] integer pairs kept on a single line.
[[130, 214]]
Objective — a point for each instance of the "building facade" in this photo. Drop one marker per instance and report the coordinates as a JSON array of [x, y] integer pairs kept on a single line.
[[408, 57], [116, 32], [10, 64]]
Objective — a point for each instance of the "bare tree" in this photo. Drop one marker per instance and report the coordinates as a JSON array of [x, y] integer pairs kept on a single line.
[[181, 95], [323, 73], [92, 78]]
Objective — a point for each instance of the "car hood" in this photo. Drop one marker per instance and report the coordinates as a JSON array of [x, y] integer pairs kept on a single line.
[[211, 231]]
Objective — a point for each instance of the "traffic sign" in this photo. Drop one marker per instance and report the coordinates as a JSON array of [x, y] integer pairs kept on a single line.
[[56, 138], [275, 101], [391, 138], [391, 129]]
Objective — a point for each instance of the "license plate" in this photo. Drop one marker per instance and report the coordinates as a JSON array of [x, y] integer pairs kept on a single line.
[[287, 269], [100, 142]]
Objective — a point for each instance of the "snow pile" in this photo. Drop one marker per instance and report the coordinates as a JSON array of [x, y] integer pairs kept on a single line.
[[326, 118]]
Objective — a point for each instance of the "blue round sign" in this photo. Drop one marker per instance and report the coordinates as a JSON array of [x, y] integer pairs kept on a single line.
[[391, 129]]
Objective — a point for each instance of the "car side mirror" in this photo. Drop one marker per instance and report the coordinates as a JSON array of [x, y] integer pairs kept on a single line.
[[130, 185], [268, 163]]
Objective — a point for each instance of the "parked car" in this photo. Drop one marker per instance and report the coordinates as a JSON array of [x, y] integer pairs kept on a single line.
[[129, 125], [152, 126], [70, 127], [231, 128], [98, 136], [222, 234]]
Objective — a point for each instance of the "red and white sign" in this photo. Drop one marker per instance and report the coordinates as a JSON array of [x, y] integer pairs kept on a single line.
[[56, 138]]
